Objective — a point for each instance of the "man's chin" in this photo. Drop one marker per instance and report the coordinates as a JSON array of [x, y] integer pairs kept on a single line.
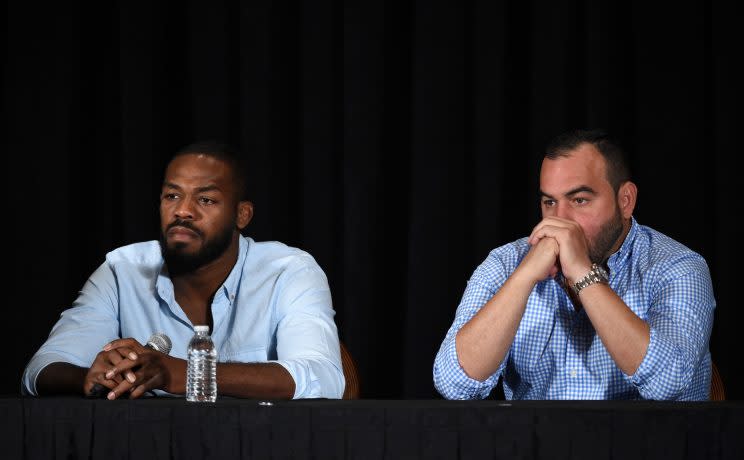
[[179, 262], [181, 248]]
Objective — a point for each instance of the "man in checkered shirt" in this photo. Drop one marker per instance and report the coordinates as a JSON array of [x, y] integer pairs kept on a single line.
[[592, 305]]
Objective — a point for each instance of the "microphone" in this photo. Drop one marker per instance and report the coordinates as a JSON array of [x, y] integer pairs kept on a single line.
[[158, 342]]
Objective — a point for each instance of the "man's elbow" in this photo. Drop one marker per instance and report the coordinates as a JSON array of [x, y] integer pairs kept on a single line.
[[318, 378], [675, 381]]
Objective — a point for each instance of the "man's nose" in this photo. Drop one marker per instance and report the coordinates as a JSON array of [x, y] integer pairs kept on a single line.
[[185, 209], [563, 211]]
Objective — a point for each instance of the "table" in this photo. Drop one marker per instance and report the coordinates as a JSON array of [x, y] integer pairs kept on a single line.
[[70, 427]]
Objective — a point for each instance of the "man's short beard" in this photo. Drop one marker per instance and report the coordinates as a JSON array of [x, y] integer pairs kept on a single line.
[[179, 262], [606, 238]]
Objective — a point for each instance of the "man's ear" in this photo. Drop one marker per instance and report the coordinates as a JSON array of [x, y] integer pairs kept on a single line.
[[245, 213], [626, 198]]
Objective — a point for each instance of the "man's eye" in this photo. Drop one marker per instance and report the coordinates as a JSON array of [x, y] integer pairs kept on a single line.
[[169, 196], [580, 200], [206, 200], [548, 203]]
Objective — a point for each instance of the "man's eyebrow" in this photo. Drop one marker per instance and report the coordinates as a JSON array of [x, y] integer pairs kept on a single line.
[[206, 188], [580, 189]]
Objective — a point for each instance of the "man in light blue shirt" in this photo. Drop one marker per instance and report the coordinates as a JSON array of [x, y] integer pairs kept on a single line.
[[591, 305], [268, 305]]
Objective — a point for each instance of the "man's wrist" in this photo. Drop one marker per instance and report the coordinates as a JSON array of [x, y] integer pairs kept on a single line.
[[597, 274]]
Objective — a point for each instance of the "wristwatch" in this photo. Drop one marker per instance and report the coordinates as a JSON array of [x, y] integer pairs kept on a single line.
[[596, 275]]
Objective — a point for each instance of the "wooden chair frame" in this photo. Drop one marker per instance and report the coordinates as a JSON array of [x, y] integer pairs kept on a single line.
[[351, 374]]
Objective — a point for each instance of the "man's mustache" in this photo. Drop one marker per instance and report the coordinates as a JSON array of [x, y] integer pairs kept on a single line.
[[184, 224]]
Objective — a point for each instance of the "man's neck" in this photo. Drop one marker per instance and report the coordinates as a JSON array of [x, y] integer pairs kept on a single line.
[[627, 224], [202, 283]]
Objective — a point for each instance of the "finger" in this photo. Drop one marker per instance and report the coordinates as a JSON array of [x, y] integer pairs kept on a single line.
[[557, 221], [106, 359], [544, 231], [144, 387], [115, 363], [92, 384], [551, 247], [125, 375], [115, 356], [120, 389], [134, 370], [97, 374], [143, 381], [118, 343], [109, 383], [137, 391], [121, 360], [98, 380], [554, 222], [562, 231]]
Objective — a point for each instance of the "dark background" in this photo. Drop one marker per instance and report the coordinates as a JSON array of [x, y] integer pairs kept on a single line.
[[398, 142]]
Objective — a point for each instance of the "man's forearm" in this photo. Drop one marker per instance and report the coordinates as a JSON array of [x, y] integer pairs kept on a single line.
[[483, 342], [255, 380], [60, 378], [624, 335], [242, 380]]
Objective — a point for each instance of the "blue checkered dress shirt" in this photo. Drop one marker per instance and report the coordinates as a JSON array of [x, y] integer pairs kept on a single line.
[[556, 353]]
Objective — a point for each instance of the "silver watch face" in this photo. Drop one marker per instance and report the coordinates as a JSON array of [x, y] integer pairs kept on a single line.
[[596, 275]]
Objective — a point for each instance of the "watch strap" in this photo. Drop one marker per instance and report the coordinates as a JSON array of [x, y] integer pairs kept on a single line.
[[597, 274]]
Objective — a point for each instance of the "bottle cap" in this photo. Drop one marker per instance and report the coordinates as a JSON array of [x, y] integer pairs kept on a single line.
[[201, 328]]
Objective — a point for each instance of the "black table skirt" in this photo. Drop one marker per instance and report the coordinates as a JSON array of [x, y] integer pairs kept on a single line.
[[165, 428]]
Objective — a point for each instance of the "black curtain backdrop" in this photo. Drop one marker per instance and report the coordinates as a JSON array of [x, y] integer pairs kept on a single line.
[[398, 142]]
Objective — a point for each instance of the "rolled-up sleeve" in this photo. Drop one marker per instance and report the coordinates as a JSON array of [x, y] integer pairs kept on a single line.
[[307, 338], [450, 378], [81, 331], [680, 320]]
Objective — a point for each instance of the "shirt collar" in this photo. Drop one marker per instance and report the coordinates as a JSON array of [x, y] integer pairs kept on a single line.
[[230, 286], [164, 285], [619, 258]]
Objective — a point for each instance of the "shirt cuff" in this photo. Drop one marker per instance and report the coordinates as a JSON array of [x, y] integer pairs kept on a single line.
[[34, 368], [649, 373], [313, 380], [453, 382]]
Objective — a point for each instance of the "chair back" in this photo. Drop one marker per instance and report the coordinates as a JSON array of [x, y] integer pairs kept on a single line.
[[717, 393], [351, 374]]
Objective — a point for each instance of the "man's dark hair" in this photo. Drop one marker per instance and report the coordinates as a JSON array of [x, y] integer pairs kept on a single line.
[[618, 170], [225, 153]]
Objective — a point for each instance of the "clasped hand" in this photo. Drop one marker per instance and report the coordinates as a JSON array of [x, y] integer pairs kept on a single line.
[[125, 366], [558, 245]]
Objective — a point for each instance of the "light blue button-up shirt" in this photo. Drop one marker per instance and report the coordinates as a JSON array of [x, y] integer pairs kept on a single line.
[[274, 306], [557, 354]]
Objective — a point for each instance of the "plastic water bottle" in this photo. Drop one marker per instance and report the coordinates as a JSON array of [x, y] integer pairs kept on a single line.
[[201, 370]]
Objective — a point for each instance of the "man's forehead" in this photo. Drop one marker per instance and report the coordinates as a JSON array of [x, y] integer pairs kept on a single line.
[[584, 159], [583, 167], [199, 168]]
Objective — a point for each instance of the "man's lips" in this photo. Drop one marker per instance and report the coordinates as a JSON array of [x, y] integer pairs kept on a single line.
[[182, 233]]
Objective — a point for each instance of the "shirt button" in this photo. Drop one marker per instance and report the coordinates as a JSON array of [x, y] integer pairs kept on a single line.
[[573, 373]]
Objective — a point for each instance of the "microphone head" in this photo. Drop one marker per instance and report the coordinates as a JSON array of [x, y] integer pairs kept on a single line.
[[159, 342]]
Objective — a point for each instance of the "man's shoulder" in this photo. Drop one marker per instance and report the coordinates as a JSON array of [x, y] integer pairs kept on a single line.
[[277, 256], [655, 249], [145, 253], [510, 254], [502, 261]]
